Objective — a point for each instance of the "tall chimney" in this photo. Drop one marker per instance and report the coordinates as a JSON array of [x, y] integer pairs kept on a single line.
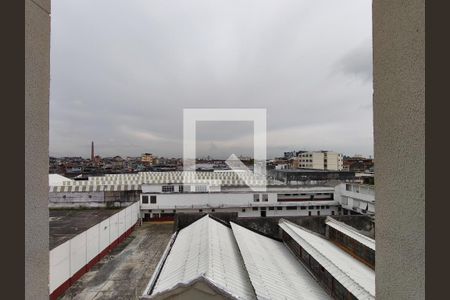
[[92, 151]]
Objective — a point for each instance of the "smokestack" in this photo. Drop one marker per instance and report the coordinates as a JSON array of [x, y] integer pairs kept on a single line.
[[92, 151]]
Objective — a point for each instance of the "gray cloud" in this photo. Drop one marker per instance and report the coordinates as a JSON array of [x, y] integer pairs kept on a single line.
[[122, 72], [358, 62]]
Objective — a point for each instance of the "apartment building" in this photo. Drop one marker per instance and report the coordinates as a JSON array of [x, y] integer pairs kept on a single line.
[[322, 160]]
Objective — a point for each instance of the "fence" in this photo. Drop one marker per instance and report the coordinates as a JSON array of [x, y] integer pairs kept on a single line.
[[70, 260]]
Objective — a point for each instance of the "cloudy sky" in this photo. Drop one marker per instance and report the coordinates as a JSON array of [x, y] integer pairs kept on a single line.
[[123, 71]]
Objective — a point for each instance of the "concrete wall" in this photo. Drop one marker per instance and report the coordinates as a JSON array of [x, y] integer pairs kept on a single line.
[[71, 259], [37, 80], [399, 132]]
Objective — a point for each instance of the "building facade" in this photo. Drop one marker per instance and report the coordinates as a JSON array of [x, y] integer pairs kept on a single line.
[[322, 160], [165, 200], [356, 198]]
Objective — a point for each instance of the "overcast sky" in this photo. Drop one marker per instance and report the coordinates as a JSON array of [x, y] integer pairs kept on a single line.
[[122, 72]]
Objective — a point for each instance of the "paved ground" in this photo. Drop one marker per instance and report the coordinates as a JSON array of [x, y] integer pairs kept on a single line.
[[125, 272]]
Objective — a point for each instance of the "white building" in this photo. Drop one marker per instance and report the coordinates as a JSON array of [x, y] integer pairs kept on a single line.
[[210, 260], [160, 200], [359, 198], [322, 160]]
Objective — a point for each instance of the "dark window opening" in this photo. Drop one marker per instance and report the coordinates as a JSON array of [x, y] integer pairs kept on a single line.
[[153, 199], [144, 199]]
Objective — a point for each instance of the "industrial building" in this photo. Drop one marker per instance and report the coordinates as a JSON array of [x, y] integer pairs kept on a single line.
[[164, 200], [163, 194], [308, 176], [356, 198], [342, 275], [214, 259]]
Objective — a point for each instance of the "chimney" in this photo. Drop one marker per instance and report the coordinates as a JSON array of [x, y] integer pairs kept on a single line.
[[92, 151]]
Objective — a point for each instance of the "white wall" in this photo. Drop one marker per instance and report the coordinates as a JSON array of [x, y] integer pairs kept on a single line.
[[69, 257], [76, 197]]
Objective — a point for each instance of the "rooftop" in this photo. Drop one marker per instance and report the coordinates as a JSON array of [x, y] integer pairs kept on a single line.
[[204, 252], [66, 223], [354, 275], [351, 232], [274, 272]]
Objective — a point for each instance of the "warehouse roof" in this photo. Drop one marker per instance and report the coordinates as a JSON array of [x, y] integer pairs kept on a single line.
[[56, 179], [204, 253], [274, 272], [355, 276], [351, 232]]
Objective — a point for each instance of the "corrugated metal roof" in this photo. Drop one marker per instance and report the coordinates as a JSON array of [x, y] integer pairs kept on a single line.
[[274, 272], [56, 179], [206, 249], [355, 276], [351, 232]]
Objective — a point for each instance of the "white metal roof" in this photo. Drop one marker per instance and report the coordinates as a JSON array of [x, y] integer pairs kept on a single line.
[[355, 276], [351, 232], [273, 270], [205, 250], [56, 179]]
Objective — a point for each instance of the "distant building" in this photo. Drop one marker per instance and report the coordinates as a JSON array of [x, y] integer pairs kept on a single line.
[[322, 160], [305, 176], [147, 159], [358, 164]]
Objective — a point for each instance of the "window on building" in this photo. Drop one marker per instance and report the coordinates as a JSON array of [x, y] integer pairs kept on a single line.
[[168, 188], [201, 188], [213, 210], [265, 197], [144, 199], [309, 213], [302, 207], [291, 207], [152, 199], [271, 208], [200, 210], [180, 188], [279, 208], [254, 208], [255, 197], [311, 207], [318, 212], [243, 210], [332, 212]]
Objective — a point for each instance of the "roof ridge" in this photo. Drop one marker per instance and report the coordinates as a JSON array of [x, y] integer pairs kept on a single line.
[[354, 230]]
